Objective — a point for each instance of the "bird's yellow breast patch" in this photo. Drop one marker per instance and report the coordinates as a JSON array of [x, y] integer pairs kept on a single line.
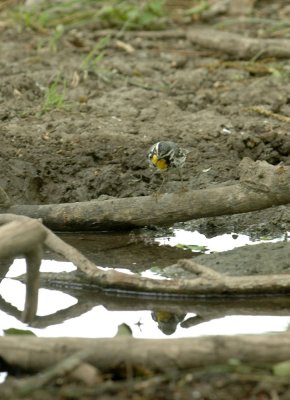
[[160, 164]]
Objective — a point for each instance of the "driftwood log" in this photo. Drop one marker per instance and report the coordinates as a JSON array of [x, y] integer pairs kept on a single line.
[[239, 46], [261, 186], [34, 354]]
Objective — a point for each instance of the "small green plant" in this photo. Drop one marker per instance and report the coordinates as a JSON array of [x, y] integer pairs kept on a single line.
[[94, 57], [53, 40], [192, 247], [197, 9], [55, 37], [130, 14], [48, 15], [16, 331], [54, 96]]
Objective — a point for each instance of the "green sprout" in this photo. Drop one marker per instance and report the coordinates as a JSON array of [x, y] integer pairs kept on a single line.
[[47, 15], [54, 96], [97, 53], [197, 9]]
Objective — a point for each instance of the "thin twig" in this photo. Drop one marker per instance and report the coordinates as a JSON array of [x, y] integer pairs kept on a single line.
[[28, 385], [199, 269], [267, 113]]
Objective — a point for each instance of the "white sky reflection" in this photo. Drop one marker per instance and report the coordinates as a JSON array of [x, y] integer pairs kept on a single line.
[[99, 322]]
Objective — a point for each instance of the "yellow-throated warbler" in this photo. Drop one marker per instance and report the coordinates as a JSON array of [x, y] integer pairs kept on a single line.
[[165, 155]]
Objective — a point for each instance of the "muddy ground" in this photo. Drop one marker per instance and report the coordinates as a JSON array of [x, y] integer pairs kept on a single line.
[[95, 144], [116, 107]]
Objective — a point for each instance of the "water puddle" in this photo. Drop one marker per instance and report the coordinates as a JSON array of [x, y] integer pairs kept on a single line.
[[199, 242], [75, 313]]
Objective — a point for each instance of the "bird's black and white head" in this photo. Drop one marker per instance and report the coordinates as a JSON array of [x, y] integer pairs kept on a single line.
[[165, 154]]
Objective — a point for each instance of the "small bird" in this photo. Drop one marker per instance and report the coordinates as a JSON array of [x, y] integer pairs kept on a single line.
[[166, 155]]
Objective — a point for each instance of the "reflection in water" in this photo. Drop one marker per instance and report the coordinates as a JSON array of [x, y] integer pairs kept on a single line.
[[86, 314], [122, 250], [93, 314], [167, 321], [227, 241]]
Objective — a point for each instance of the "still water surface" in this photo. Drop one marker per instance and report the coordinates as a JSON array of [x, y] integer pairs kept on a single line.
[[68, 313]]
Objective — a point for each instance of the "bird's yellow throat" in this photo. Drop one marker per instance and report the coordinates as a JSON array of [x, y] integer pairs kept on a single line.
[[160, 164]]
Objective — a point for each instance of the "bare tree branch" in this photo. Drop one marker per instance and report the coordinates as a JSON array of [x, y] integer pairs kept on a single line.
[[239, 46]]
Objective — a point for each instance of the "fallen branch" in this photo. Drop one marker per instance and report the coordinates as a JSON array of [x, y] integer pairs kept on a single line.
[[34, 354], [268, 113], [211, 285], [24, 237], [200, 270], [27, 386], [261, 186], [154, 35], [239, 46], [207, 283]]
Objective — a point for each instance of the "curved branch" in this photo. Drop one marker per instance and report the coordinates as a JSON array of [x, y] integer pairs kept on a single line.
[[207, 283], [24, 237]]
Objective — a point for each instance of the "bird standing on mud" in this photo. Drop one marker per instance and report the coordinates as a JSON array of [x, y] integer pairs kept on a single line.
[[166, 155]]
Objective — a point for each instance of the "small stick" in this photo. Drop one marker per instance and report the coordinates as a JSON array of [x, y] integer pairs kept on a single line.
[[28, 385]]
